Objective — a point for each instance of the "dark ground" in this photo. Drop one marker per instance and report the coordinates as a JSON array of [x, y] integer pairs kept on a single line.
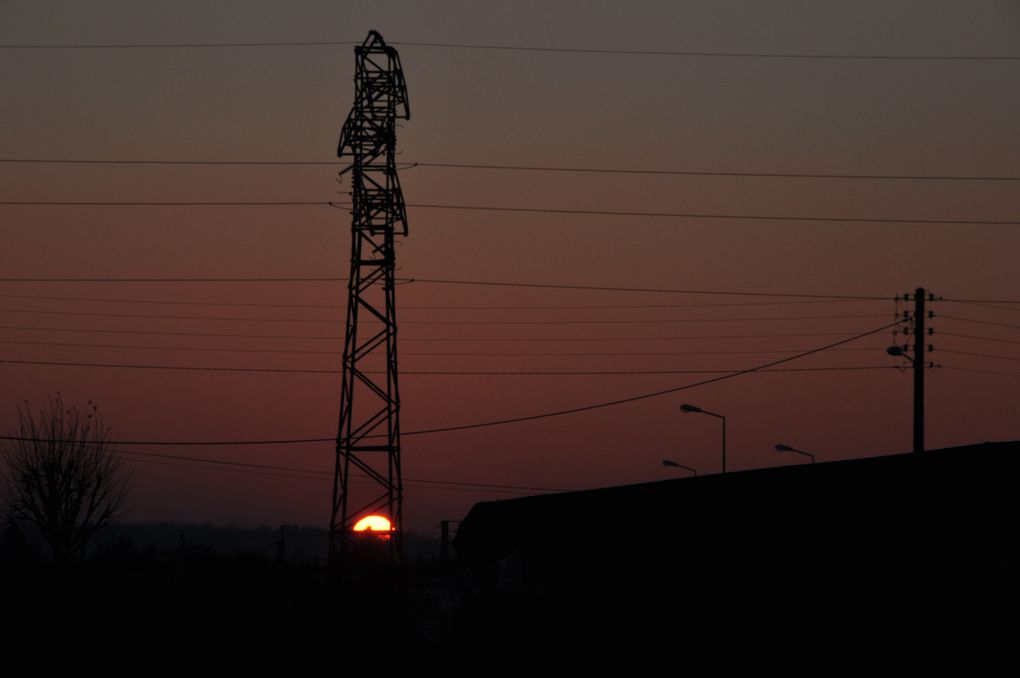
[[192, 593]]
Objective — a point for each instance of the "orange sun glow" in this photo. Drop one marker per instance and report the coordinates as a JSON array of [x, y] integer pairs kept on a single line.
[[373, 524]]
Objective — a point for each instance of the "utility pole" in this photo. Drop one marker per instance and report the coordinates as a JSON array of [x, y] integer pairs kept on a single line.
[[919, 369], [368, 441], [917, 327]]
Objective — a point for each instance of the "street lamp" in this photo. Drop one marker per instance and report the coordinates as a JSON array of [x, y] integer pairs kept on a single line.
[[780, 447], [688, 409], [897, 352], [669, 463]]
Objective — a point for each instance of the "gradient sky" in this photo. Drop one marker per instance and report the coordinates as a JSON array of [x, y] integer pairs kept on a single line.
[[915, 117]]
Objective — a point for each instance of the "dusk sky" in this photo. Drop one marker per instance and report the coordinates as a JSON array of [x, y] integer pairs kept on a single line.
[[731, 110]]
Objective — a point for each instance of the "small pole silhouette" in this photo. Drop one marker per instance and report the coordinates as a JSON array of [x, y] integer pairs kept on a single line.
[[919, 369], [687, 408], [917, 361]]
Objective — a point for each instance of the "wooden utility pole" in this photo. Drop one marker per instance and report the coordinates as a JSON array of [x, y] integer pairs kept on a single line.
[[919, 369]]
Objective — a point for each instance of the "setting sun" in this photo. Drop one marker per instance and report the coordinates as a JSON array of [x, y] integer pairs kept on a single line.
[[373, 523]]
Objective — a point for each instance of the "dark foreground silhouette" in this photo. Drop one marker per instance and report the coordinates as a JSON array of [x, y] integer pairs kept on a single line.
[[853, 554], [855, 558]]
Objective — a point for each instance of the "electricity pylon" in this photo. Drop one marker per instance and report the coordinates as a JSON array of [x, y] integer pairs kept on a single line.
[[368, 441]]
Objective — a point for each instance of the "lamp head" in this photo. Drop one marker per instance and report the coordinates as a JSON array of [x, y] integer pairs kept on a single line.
[[689, 408], [784, 448], [895, 351]]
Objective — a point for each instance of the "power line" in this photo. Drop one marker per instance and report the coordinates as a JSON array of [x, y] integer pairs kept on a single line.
[[418, 307], [233, 349], [166, 203], [830, 56], [250, 279], [121, 161], [979, 355], [706, 173], [971, 336], [440, 281], [654, 321], [226, 469], [335, 321], [971, 369], [179, 45], [202, 460], [316, 472], [521, 210], [237, 465], [191, 443], [603, 354], [645, 396], [359, 480], [177, 334], [544, 415], [979, 322], [195, 368], [655, 290], [500, 486], [319, 476], [710, 215], [528, 168], [502, 339], [270, 370], [203, 463], [579, 307], [98, 314], [109, 300], [982, 301], [541, 373], [713, 54], [680, 337], [986, 304]]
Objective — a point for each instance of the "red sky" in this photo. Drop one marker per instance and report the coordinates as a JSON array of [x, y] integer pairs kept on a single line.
[[727, 114]]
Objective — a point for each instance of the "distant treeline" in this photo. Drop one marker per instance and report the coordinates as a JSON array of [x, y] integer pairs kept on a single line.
[[210, 582], [131, 541]]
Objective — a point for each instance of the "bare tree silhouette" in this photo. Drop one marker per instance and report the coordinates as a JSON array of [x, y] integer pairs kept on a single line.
[[61, 476]]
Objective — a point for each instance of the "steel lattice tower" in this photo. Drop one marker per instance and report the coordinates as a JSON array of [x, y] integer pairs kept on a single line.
[[369, 435]]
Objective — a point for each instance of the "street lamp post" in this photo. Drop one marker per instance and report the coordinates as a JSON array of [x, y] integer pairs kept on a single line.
[[669, 463], [780, 447], [687, 409]]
